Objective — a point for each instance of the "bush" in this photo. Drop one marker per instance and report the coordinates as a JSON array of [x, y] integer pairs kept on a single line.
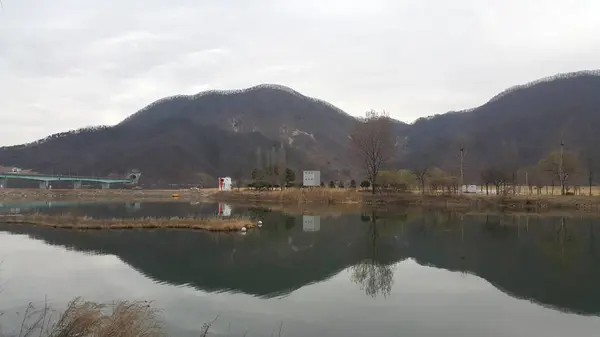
[[365, 184], [331, 184], [352, 183]]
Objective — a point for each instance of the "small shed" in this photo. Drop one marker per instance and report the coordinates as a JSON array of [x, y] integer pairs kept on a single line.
[[225, 184]]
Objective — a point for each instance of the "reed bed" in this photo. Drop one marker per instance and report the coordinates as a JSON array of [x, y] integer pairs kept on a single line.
[[356, 197], [89, 319], [295, 195], [67, 221]]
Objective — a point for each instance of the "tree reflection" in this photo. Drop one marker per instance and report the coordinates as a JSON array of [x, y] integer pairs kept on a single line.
[[373, 276]]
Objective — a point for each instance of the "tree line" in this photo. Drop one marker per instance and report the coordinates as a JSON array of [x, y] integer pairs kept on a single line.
[[374, 147]]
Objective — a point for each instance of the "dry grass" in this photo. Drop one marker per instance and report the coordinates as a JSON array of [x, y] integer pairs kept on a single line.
[[88, 319], [359, 198], [101, 195], [295, 195], [85, 223]]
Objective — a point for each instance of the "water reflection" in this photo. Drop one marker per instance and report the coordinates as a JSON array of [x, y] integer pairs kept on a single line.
[[548, 260], [134, 209], [311, 223], [374, 276]]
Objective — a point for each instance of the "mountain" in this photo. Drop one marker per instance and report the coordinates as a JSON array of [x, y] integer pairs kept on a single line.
[[516, 127], [180, 138], [214, 133], [315, 127]]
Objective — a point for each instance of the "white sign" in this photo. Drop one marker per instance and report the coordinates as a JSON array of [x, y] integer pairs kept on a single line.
[[311, 178], [469, 188]]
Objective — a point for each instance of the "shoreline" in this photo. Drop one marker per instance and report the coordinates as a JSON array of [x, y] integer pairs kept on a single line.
[[320, 197], [84, 223], [329, 197]]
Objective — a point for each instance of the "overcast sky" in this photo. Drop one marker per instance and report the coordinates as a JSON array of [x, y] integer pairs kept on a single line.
[[66, 64]]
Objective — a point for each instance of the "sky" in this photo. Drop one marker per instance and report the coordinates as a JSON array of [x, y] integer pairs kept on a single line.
[[66, 64]]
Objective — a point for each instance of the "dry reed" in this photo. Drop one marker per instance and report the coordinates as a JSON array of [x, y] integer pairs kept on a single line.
[[66, 221], [295, 195], [88, 319]]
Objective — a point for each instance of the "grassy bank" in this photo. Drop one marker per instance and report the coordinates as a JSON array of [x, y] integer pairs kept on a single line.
[[85, 223], [315, 197], [20, 195], [332, 196]]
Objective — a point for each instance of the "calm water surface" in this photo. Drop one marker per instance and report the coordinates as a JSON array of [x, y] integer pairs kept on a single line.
[[406, 273]]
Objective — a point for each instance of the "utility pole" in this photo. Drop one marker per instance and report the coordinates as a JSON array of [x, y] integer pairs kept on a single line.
[[561, 168], [462, 172]]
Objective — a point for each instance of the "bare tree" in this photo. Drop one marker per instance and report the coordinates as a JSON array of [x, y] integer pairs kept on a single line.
[[373, 143], [497, 177], [259, 160], [588, 154], [281, 166], [238, 176], [561, 164]]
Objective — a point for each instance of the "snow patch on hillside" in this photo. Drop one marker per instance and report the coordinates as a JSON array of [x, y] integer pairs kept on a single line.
[[300, 132]]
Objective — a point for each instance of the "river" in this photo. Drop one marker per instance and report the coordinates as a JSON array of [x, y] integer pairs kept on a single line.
[[403, 272]]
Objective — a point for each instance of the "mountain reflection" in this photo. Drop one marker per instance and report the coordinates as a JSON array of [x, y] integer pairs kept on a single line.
[[548, 260]]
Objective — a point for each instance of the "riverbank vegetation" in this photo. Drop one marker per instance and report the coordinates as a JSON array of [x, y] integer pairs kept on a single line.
[[90, 319], [361, 197], [378, 155], [66, 221], [87, 319]]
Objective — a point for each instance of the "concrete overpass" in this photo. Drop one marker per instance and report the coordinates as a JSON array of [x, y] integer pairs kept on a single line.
[[46, 179]]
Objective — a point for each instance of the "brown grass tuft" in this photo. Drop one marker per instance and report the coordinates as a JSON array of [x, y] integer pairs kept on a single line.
[[88, 319], [295, 195], [84, 223]]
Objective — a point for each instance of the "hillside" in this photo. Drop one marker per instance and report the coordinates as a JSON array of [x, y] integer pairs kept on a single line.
[[178, 139], [517, 127], [316, 128], [176, 152]]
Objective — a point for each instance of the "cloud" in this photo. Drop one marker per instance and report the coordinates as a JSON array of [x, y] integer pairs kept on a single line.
[[65, 64]]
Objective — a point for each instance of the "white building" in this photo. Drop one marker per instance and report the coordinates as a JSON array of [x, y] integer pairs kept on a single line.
[[469, 188], [311, 223], [311, 178], [224, 210], [225, 184]]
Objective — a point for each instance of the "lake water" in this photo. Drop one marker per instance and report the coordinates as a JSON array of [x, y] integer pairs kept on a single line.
[[401, 273]]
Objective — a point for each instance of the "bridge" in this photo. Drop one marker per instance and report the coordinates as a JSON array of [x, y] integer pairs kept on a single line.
[[46, 179]]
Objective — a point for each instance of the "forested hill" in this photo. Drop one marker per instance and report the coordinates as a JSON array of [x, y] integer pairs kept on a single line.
[[181, 138], [517, 127]]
